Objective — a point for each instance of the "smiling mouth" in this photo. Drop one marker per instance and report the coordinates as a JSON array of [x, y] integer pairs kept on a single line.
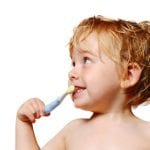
[[78, 90]]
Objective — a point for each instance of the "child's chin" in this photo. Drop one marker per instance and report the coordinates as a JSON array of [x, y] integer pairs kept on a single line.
[[79, 103]]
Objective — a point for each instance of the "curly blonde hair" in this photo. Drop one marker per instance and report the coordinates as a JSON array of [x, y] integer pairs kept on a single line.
[[123, 41]]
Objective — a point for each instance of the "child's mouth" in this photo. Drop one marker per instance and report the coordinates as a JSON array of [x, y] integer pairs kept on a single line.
[[78, 91]]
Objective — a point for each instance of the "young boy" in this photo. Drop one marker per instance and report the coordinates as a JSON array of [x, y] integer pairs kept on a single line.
[[111, 73]]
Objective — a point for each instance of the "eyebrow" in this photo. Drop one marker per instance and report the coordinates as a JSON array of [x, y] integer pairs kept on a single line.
[[87, 51]]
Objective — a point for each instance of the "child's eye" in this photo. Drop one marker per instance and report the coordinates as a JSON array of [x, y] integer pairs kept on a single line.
[[87, 60], [73, 63]]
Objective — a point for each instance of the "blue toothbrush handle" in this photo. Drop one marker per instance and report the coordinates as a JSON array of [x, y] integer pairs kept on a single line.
[[49, 107]]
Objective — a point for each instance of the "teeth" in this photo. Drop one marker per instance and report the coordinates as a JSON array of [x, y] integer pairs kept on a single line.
[[78, 89]]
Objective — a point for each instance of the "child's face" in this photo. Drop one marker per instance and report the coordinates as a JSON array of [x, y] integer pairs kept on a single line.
[[94, 75]]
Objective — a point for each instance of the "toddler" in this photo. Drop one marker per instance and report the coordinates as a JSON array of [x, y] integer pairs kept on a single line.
[[111, 74]]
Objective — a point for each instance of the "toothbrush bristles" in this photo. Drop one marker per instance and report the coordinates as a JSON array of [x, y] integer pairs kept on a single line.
[[70, 89]]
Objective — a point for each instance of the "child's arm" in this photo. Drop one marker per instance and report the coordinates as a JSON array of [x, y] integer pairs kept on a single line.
[[26, 115], [25, 137]]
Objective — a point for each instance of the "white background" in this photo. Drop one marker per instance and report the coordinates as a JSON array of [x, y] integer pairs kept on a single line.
[[34, 58]]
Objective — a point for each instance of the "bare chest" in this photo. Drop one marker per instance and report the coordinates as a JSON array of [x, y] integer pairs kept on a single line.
[[107, 140]]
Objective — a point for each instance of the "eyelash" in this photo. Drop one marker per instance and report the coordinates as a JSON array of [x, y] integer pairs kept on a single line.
[[85, 59], [73, 63]]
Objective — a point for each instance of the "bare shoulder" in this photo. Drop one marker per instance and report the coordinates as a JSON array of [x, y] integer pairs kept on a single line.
[[144, 128], [75, 124], [59, 141]]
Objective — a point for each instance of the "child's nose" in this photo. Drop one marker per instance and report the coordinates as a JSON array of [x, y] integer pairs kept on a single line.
[[73, 74]]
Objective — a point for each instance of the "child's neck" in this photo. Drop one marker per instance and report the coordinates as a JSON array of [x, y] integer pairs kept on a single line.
[[114, 114]]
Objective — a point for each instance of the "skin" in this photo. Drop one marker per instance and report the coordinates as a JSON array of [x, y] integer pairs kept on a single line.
[[98, 88]]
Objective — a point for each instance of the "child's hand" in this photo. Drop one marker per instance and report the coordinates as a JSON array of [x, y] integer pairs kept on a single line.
[[31, 110]]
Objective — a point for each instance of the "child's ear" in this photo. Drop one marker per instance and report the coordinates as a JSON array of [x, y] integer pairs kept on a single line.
[[131, 75]]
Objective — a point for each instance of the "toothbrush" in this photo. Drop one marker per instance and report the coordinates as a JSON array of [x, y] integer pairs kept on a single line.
[[51, 106]]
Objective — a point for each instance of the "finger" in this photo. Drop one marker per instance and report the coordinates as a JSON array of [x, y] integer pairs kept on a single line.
[[36, 108], [41, 107], [31, 113]]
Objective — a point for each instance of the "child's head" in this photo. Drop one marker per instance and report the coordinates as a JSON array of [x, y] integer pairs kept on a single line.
[[126, 43]]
